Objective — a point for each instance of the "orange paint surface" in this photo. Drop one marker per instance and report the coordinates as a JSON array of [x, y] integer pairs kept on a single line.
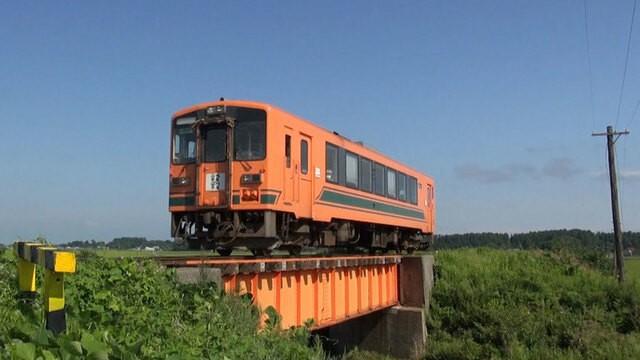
[[325, 295], [297, 192]]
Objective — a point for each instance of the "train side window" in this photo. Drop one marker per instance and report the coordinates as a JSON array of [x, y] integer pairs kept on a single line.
[[352, 170], [391, 183], [429, 195], [412, 189], [287, 149], [402, 186], [378, 179], [304, 156], [365, 174], [331, 166], [342, 166]]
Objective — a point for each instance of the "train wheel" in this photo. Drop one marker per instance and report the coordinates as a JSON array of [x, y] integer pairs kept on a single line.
[[224, 251], [194, 244], [261, 252], [295, 250]]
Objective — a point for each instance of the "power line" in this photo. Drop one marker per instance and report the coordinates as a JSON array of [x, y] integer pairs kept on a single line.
[[626, 61], [633, 115], [588, 43]]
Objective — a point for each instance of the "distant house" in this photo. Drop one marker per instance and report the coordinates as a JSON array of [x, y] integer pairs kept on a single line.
[[151, 248]]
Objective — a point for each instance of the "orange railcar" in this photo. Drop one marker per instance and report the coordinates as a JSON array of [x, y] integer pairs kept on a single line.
[[249, 174]]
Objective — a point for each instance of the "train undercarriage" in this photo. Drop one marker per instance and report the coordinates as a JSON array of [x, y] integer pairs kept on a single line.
[[261, 232]]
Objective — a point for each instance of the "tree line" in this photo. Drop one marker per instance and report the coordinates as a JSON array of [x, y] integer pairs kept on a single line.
[[121, 243], [545, 240]]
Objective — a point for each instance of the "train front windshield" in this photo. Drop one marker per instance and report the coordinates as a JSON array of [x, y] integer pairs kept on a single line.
[[249, 136], [184, 141]]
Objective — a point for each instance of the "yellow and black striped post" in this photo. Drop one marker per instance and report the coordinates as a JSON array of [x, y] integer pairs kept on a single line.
[[27, 269], [55, 263]]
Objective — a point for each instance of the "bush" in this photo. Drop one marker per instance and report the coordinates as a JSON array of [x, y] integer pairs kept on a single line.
[[529, 305], [135, 309]]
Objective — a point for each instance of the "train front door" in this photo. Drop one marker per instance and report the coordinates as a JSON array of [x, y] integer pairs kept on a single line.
[[305, 176], [298, 177], [288, 169]]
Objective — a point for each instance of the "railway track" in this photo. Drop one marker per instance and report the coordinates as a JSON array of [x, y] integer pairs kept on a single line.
[[276, 263]]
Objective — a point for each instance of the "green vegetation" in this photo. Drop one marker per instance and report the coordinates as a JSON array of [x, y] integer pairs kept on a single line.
[[547, 240], [632, 268], [128, 309], [109, 253], [487, 303], [122, 243], [530, 305]]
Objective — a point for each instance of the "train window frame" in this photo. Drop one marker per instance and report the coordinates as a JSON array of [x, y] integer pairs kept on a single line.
[[239, 123], [412, 190], [304, 156], [355, 167], [342, 165], [205, 144], [391, 192], [333, 177], [183, 122], [376, 176], [367, 175], [287, 150], [401, 185]]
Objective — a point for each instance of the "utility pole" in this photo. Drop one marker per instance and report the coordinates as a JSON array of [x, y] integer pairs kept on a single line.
[[612, 137]]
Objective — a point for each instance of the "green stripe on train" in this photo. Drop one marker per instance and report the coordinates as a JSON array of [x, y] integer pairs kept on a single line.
[[268, 199], [355, 201], [182, 201]]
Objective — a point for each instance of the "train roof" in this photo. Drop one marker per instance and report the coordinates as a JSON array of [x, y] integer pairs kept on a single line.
[[269, 107]]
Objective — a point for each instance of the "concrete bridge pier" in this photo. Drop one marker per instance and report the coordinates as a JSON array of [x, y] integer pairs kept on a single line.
[[399, 331]]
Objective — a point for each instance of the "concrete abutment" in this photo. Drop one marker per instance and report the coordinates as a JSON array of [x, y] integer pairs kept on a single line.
[[399, 331]]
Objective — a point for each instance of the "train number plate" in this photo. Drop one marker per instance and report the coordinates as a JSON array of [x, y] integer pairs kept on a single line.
[[215, 182]]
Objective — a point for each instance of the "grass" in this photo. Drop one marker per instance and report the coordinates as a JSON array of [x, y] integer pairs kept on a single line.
[[632, 268], [112, 253], [530, 305]]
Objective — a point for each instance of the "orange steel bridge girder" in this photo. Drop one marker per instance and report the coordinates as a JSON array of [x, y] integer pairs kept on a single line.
[[326, 290]]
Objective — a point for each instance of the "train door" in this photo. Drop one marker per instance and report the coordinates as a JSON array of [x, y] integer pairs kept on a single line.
[[305, 177], [288, 169], [212, 170]]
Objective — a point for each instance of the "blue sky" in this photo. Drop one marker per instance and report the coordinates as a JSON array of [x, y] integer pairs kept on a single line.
[[491, 98]]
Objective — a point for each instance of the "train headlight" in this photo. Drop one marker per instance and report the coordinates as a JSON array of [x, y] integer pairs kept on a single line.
[[249, 195], [180, 181], [247, 179]]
